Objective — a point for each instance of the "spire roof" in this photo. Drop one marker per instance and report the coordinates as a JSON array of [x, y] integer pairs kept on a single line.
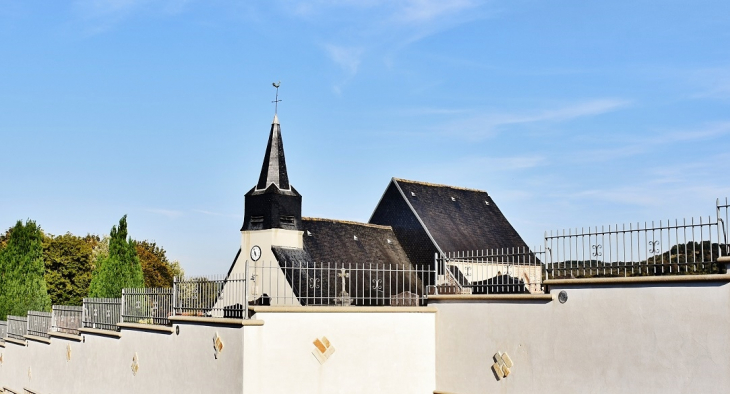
[[273, 170]]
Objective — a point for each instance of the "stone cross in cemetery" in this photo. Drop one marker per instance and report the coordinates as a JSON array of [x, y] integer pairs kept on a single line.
[[344, 299]]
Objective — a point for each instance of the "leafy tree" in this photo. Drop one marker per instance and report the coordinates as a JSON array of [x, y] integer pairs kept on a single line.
[[22, 283], [157, 269], [68, 267], [120, 268]]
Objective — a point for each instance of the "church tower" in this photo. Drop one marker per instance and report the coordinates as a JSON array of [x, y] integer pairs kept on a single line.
[[273, 202], [272, 218]]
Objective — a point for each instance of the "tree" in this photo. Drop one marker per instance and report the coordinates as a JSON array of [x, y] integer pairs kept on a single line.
[[22, 282], [158, 272], [120, 268], [68, 267]]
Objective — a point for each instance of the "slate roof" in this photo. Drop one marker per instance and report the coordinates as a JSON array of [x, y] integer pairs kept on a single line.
[[368, 253], [339, 241], [458, 219], [273, 170]]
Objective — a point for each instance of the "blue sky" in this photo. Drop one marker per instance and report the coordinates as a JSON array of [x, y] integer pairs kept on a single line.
[[568, 113]]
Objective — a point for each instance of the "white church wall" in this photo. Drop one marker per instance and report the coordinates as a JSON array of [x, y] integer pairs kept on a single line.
[[647, 338], [373, 352]]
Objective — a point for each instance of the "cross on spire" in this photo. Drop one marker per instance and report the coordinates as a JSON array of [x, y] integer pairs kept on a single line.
[[277, 101]]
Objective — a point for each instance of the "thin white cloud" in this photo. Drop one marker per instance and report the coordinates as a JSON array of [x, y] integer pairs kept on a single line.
[[484, 126], [172, 214], [428, 10], [210, 213], [348, 58]]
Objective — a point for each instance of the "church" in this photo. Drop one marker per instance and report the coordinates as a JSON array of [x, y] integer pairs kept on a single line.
[[296, 260]]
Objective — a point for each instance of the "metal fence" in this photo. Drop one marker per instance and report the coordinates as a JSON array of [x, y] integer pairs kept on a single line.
[[494, 271], [102, 313], [66, 319], [3, 330], [205, 296], [663, 248], [723, 217], [147, 306], [340, 284], [39, 323], [17, 327]]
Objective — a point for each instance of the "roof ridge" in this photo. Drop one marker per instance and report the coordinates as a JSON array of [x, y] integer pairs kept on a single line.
[[347, 222], [439, 185]]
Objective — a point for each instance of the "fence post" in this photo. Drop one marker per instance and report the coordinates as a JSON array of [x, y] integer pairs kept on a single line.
[[245, 290]]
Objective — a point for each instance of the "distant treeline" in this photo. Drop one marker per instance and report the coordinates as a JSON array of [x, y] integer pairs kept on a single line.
[[38, 269]]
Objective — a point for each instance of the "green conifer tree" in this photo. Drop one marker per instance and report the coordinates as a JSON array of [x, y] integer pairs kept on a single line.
[[22, 283], [120, 268]]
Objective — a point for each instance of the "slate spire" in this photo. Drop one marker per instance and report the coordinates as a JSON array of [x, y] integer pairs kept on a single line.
[[273, 170], [273, 202]]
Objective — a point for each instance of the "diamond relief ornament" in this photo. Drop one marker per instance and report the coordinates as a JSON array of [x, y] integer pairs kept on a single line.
[[323, 349], [502, 365], [217, 345], [135, 364]]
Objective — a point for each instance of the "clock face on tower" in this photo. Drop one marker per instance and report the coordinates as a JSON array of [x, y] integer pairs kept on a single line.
[[255, 253]]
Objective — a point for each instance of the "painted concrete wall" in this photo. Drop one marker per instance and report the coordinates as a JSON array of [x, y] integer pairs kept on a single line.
[[643, 338], [373, 353], [167, 363]]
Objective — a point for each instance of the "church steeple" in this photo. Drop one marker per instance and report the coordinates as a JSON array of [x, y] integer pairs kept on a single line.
[[273, 202], [273, 171]]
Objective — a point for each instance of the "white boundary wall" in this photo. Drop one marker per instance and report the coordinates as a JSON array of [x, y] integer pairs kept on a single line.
[[619, 338], [375, 352]]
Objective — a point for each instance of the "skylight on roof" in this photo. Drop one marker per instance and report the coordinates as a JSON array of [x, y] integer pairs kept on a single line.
[[309, 234], [389, 241], [486, 202], [355, 237], [413, 194], [453, 198]]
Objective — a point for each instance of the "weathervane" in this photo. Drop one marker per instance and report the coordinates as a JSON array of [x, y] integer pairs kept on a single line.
[[277, 101]]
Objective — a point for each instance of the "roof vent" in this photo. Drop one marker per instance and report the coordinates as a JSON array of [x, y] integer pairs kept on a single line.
[[309, 234], [486, 202], [355, 237], [413, 194], [453, 198]]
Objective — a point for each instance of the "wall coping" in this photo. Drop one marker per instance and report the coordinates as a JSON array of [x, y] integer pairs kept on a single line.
[[64, 335], [216, 320], [491, 297], [96, 331], [37, 339], [15, 341], [2, 343], [147, 327], [640, 279], [343, 309]]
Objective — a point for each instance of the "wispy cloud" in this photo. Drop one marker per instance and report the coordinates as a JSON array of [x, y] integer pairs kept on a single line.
[[172, 214], [103, 15], [427, 10], [713, 83], [210, 213], [484, 126], [348, 58], [377, 28], [642, 143]]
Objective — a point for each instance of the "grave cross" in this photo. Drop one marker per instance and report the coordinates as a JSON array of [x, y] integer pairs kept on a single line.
[[343, 274]]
